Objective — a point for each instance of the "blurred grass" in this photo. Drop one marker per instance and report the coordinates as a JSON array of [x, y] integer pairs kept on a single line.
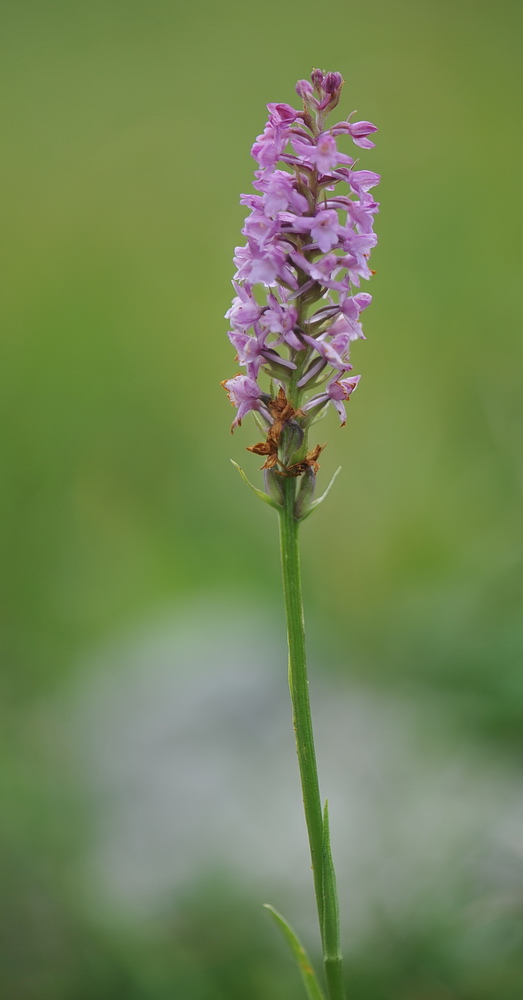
[[127, 129]]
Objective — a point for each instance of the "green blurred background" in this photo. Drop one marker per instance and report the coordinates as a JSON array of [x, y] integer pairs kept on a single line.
[[127, 129]]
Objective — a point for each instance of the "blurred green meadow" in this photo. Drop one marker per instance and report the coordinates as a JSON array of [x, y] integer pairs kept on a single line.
[[127, 132]]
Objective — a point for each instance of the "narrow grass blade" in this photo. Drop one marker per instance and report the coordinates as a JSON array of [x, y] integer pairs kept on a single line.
[[307, 972]]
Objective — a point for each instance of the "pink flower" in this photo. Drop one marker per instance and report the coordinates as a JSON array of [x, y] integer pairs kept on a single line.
[[337, 391], [357, 131], [244, 393], [332, 351], [278, 317], [323, 227], [280, 193], [244, 311], [323, 153], [324, 271], [270, 144]]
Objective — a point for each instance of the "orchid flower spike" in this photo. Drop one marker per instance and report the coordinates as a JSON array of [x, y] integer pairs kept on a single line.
[[297, 304]]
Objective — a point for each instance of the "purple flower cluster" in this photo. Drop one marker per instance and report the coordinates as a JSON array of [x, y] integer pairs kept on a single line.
[[297, 305]]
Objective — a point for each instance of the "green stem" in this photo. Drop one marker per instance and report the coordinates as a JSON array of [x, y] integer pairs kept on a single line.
[[325, 889]]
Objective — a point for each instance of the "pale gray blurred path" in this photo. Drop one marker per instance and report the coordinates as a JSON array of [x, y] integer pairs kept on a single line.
[[183, 743]]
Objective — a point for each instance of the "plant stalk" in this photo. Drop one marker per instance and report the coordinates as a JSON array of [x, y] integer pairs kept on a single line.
[[325, 887]]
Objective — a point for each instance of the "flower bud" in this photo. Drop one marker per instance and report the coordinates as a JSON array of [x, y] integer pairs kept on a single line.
[[310, 102], [317, 80], [331, 87], [291, 440], [283, 112], [274, 486], [305, 494], [304, 90], [332, 83]]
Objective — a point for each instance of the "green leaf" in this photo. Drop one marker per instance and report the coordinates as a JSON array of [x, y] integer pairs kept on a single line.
[[331, 934], [259, 493], [331, 919], [307, 972]]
